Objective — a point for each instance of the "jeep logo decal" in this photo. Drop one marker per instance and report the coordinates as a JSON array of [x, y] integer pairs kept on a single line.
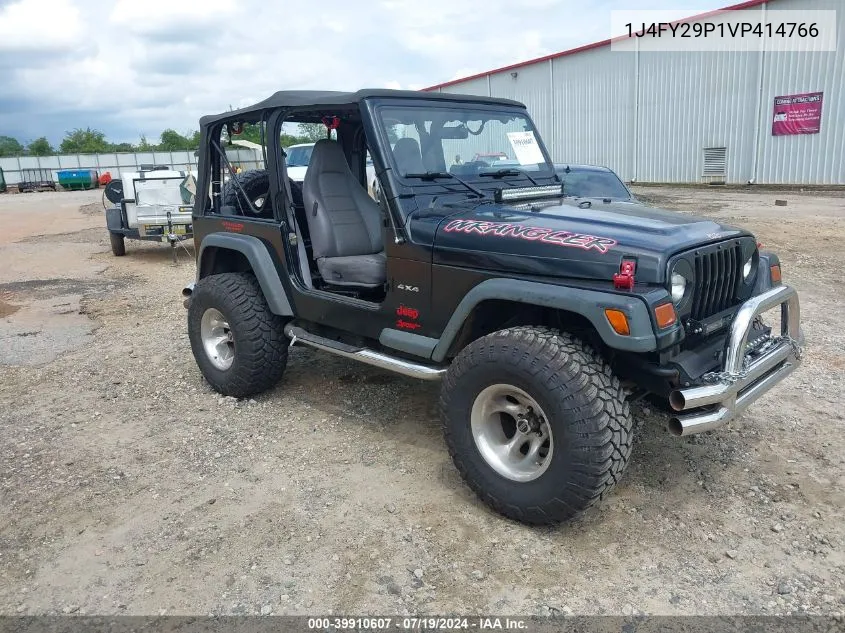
[[532, 233]]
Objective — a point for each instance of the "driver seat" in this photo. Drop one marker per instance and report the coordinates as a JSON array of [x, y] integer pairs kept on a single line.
[[343, 220]]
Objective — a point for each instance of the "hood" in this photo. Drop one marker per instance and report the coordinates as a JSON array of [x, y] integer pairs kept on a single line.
[[576, 238], [297, 174]]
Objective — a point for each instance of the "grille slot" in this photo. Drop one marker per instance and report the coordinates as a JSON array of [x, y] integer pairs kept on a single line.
[[716, 281]]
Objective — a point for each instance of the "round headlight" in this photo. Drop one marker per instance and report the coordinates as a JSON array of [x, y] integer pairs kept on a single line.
[[746, 269], [679, 287]]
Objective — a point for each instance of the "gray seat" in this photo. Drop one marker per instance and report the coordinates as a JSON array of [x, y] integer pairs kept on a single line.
[[406, 153], [343, 221]]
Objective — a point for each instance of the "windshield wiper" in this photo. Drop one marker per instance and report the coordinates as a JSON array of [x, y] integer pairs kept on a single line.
[[507, 171], [434, 175]]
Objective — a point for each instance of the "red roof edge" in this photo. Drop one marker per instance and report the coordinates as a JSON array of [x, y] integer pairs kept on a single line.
[[572, 51]]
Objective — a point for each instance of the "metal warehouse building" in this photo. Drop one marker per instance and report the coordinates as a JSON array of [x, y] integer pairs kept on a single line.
[[686, 117]]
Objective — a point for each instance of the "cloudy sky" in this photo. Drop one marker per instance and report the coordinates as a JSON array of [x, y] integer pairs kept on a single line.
[[132, 67]]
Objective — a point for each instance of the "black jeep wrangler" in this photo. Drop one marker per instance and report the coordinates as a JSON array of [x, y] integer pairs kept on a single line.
[[543, 314]]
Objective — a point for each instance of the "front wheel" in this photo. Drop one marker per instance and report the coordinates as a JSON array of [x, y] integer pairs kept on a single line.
[[536, 423], [238, 343]]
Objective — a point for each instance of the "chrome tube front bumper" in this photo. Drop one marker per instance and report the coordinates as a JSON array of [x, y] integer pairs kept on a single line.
[[742, 380]]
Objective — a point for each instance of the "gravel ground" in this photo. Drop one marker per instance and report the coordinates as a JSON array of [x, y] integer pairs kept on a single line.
[[129, 487]]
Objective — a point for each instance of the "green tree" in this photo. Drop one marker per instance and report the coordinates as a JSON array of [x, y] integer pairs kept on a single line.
[[144, 145], [122, 147], [287, 140], [172, 141], [311, 132], [41, 147], [10, 146], [85, 141], [251, 133]]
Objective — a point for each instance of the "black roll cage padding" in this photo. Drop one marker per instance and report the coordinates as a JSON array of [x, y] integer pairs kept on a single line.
[[263, 136], [289, 216]]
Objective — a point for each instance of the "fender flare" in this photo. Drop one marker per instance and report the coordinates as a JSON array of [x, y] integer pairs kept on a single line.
[[588, 303], [259, 260], [114, 220]]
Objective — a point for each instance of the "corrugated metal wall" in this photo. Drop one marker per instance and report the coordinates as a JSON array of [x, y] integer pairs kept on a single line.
[[649, 116], [810, 158], [689, 101], [593, 109], [115, 163], [472, 87]]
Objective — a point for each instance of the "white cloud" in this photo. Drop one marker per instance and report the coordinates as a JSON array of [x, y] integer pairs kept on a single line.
[[150, 16], [39, 25], [130, 67]]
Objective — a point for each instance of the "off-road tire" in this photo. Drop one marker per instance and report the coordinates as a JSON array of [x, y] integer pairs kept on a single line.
[[118, 244], [590, 420], [260, 346], [255, 184]]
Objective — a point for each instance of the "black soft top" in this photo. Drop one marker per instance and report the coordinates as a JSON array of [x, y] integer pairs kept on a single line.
[[320, 98]]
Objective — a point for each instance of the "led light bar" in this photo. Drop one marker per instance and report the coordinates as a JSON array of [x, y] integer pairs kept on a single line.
[[527, 193], [534, 206]]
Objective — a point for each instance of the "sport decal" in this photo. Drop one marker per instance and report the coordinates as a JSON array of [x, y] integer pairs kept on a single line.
[[237, 227], [532, 233]]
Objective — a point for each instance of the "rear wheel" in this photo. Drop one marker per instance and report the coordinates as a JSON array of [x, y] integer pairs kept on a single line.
[[238, 343], [536, 423], [118, 244]]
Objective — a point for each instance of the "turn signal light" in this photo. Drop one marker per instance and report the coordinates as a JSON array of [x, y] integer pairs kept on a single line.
[[775, 273], [618, 321], [665, 315]]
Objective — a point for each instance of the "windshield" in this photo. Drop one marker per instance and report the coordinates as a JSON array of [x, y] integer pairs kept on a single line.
[[466, 142], [592, 183], [299, 156]]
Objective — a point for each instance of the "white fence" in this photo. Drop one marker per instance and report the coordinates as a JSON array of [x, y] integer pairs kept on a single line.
[[116, 163]]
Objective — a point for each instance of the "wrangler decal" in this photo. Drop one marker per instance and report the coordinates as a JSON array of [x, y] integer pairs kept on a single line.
[[532, 234]]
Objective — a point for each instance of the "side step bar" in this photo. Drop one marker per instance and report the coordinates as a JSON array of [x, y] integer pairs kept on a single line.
[[370, 357]]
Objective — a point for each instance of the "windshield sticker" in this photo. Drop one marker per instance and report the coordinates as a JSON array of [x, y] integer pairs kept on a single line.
[[525, 147], [532, 234]]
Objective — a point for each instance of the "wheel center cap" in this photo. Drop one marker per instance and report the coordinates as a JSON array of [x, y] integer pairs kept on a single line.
[[523, 426]]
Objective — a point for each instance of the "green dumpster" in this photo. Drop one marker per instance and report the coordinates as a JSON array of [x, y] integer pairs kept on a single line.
[[76, 179]]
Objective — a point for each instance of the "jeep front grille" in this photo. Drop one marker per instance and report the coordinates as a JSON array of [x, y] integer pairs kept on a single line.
[[717, 281]]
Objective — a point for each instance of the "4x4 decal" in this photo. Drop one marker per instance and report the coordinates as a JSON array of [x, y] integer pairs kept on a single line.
[[532, 233]]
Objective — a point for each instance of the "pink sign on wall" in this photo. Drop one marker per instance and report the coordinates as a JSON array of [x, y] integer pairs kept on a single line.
[[797, 114]]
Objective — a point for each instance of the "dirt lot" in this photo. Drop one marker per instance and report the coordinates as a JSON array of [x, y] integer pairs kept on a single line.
[[127, 486]]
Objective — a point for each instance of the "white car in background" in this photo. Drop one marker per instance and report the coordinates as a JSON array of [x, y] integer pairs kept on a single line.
[[299, 155]]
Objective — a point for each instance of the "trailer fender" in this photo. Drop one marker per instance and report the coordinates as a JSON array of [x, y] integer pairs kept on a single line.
[[114, 220]]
